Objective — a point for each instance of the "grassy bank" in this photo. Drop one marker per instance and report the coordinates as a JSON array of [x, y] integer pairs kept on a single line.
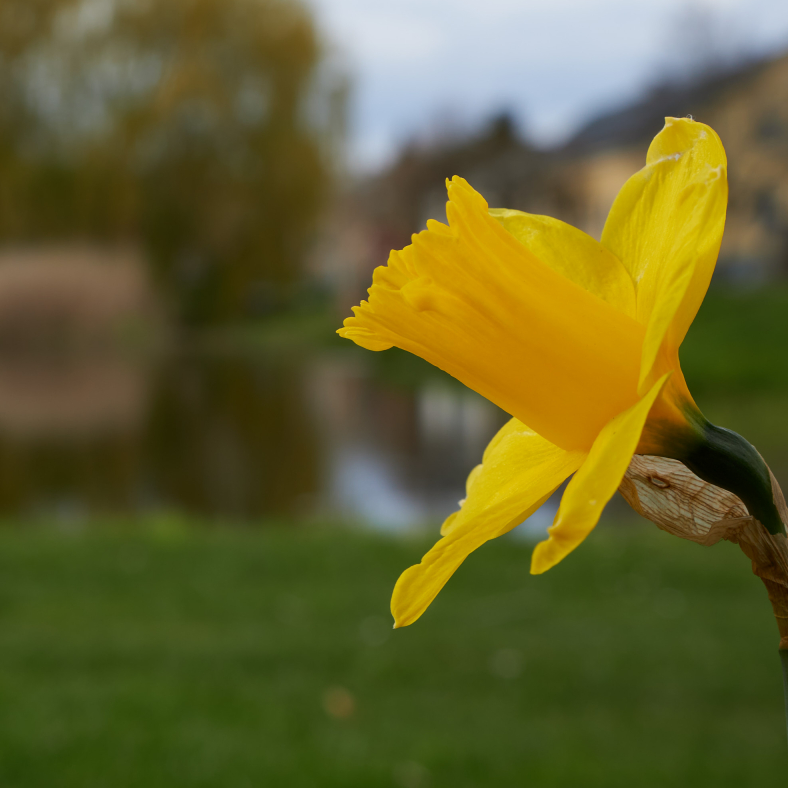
[[265, 659], [738, 343]]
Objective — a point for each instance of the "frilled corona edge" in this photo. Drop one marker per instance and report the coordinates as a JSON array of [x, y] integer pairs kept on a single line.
[[677, 501]]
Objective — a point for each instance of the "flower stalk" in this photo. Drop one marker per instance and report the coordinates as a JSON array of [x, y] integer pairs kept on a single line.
[[678, 501], [784, 660]]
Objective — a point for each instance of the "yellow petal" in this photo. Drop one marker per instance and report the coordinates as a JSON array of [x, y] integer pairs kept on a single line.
[[573, 254], [519, 471], [474, 301], [666, 227], [594, 484]]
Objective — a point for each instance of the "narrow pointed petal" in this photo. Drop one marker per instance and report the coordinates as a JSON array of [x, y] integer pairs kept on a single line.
[[474, 301], [595, 483], [573, 254], [519, 471], [666, 227]]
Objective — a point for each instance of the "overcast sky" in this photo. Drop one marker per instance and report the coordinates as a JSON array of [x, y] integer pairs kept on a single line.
[[552, 63]]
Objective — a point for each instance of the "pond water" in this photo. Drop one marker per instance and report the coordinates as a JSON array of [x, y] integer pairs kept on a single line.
[[299, 436], [331, 435]]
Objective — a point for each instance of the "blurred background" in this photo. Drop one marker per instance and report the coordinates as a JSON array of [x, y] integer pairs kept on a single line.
[[206, 496]]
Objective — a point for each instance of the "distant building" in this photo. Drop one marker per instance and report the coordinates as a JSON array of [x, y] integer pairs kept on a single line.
[[748, 107], [381, 213]]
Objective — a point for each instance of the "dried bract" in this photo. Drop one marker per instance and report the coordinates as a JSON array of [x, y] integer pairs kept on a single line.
[[677, 501]]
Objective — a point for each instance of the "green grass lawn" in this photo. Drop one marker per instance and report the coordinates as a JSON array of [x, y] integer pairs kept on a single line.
[[739, 341], [735, 359], [236, 658]]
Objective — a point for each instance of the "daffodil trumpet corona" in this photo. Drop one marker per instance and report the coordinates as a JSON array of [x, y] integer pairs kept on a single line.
[[578, 340]]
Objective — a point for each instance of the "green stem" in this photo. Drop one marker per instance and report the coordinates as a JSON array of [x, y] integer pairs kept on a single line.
[[784, 660], [725, 459]]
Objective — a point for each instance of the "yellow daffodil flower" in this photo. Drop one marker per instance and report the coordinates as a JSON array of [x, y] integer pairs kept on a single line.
[[575, 338]]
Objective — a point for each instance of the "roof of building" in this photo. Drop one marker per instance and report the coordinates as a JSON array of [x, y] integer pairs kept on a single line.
[[635, 123]]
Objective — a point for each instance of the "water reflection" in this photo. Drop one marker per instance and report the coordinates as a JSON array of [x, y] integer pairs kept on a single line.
[[395, 455], [232, 436], [326, 436]]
